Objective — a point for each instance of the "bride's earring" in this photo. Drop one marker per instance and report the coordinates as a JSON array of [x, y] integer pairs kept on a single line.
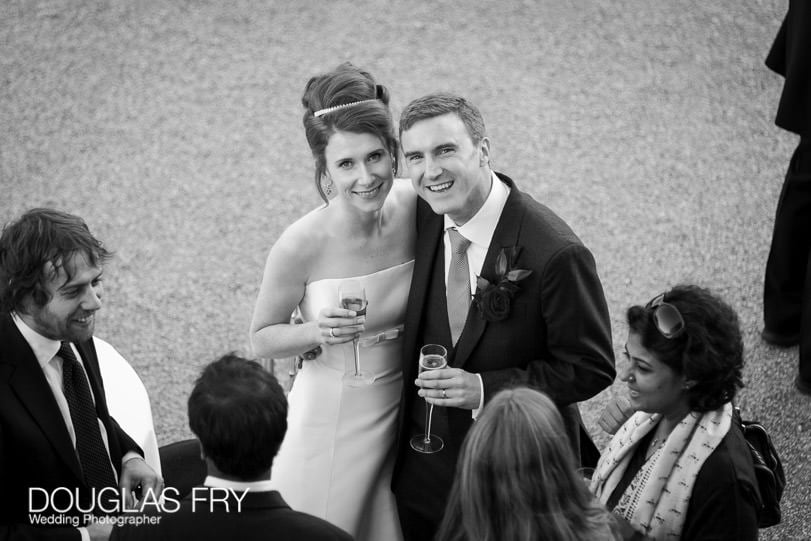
[[328, 186]]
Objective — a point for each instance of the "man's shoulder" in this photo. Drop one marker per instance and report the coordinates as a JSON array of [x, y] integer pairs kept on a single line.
[[14, 348], [7, 330], [257, 514], [546, 228], [305, 526]]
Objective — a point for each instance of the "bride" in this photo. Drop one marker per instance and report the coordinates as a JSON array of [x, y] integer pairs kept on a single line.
[[337, 458]]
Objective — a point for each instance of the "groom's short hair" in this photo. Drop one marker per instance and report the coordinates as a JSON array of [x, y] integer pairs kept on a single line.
[[238, 411], [442, 103]]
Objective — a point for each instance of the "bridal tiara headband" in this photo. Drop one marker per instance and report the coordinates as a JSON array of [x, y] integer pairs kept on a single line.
[[321, 112]]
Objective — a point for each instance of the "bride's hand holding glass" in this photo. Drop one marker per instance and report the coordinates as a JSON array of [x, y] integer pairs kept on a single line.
[[338, 325], [352, 296]]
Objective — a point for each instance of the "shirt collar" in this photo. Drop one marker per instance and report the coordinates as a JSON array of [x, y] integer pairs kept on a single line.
[[43, 347], [480, 228], [254, 486]]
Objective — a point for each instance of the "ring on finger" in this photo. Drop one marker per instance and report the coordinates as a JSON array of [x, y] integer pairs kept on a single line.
[[332, 332], [444, 394]]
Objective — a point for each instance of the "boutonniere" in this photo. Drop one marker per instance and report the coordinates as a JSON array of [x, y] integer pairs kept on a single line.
[[493, 299]]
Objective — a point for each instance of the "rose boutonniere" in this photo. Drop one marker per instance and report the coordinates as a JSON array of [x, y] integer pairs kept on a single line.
[[494, 299]]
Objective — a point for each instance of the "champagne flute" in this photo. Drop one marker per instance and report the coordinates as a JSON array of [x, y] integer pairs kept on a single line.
[[432, 357], [353, 297]]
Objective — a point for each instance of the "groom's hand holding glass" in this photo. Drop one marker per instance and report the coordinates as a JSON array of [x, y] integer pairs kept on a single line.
[[450, 388]]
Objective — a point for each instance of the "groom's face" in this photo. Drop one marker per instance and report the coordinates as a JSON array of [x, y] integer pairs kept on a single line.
[[448, 170]]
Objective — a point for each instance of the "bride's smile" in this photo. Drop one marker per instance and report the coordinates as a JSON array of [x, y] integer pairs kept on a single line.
[[360, 166]]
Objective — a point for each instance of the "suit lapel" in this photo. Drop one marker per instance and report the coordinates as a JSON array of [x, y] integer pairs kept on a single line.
[[505, 235], [429, 234], [28, 382]]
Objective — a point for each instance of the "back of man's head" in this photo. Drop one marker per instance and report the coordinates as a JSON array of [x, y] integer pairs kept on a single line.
[[238, 411], [40, 236]]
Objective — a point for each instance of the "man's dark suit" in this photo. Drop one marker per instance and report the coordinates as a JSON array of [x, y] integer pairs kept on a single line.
[[263, 516], [556, 339], [35, 447]]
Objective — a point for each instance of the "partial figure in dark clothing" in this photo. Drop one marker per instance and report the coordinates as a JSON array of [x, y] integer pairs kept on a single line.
[[238, 411], [787, 286], [679, 468], [62, 455]]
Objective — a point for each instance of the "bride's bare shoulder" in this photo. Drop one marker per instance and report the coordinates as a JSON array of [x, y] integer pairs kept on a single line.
[[300, 242]]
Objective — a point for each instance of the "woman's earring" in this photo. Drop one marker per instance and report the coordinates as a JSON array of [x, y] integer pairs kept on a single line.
[[328, 187]]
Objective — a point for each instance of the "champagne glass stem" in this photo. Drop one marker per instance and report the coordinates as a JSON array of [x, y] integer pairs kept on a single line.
[[429, 413], [356, 349]]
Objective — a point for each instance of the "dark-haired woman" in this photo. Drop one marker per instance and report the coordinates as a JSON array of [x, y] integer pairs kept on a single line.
[[679, 467], [337, 457]]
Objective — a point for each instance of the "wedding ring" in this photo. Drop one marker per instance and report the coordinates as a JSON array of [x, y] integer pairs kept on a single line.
[[443, 394], [332, 332]]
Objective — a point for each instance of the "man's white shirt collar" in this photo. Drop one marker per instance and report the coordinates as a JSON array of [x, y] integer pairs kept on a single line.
[[252, 486], [43, 347], [480, 228]]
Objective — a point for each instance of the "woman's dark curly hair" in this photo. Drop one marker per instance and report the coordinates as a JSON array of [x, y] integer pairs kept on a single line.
[[710, 350]]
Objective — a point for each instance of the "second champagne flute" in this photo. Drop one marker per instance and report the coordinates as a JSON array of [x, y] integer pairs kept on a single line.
[[432, 357], [353, 297]]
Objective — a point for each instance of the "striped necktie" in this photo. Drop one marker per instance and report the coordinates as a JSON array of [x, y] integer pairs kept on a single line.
[[458, 289]]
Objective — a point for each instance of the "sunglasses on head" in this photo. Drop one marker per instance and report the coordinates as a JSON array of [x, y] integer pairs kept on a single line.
[[667, 317]]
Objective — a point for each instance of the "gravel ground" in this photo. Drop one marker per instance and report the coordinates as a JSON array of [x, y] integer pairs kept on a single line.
[[174, 129]]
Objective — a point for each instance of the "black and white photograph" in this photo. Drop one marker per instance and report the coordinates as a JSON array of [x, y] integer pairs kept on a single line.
[[405, 271]]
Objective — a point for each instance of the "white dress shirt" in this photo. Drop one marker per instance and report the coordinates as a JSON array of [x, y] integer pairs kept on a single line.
[[479, 231], [45, 350], [254, 486]]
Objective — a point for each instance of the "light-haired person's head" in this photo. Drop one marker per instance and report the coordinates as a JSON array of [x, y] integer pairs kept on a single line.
[[516, 478]]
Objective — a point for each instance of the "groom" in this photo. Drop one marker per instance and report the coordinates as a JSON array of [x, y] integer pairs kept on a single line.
[[538, 317]]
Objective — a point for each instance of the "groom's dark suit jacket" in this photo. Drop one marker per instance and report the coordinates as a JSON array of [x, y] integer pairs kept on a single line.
[[35, 447], [557, 337]]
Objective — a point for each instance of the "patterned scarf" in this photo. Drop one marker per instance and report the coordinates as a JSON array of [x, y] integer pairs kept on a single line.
[[661, 504]]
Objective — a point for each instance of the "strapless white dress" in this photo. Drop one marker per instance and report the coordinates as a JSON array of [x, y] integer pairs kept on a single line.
[[337, 457]]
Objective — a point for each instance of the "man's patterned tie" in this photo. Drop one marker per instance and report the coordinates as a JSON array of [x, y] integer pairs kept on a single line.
[[93, 455]]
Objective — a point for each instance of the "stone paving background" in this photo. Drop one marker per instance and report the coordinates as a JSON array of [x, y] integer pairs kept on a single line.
[[174, 129]]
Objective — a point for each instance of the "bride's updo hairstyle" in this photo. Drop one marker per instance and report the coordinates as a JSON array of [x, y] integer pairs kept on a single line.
[[345, 99]]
